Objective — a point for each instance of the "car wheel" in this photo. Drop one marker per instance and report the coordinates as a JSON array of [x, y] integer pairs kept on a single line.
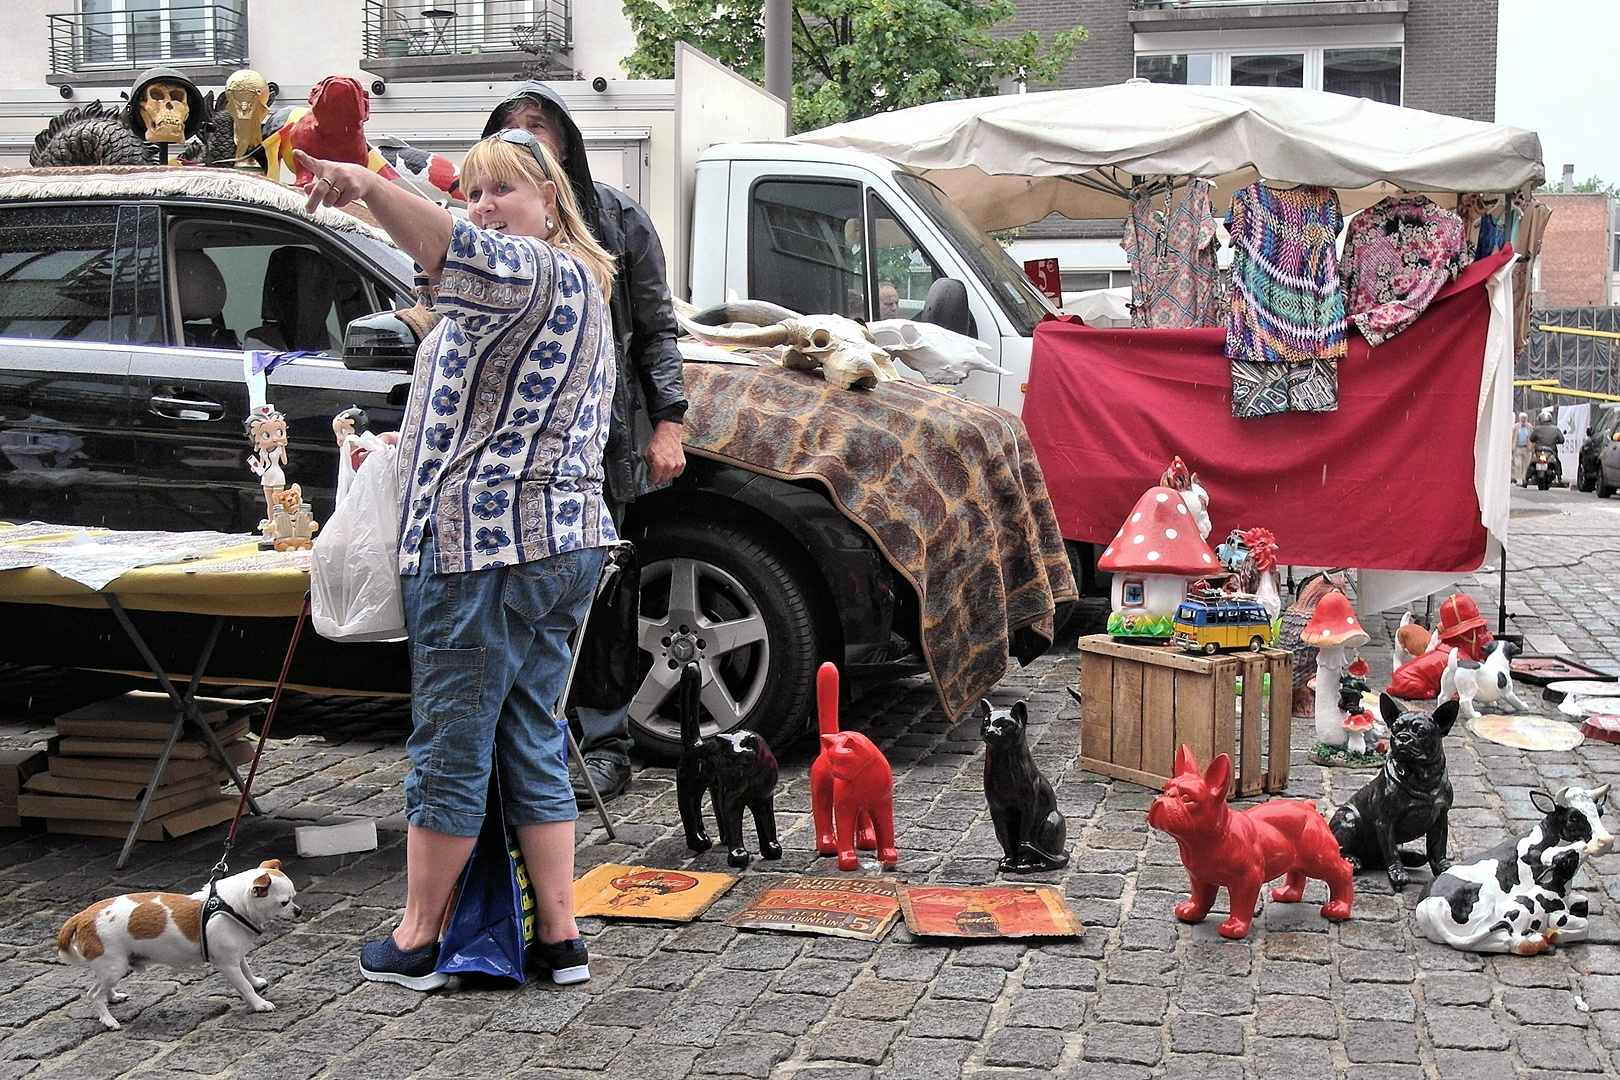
[[718, 595], [1210, 648], [1257, 643], [1604, 488]]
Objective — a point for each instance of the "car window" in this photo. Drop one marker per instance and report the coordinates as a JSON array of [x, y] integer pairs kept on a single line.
[[56, 272], [804, 247], [904, 270], [243, 285]]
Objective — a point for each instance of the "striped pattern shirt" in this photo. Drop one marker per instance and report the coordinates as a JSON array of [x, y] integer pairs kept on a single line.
[[501, 446]]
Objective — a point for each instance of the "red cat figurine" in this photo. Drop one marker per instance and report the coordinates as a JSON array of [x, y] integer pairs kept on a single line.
[[1243, 851], [851, 787]]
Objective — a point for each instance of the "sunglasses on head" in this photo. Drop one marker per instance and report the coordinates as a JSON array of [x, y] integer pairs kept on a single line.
[[524, 138]]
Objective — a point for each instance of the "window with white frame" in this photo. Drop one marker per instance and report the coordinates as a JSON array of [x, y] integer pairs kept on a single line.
[[133, 32], [1356, 61]]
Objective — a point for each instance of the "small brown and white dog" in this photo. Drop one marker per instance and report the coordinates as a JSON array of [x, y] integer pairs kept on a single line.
[[126, 933]]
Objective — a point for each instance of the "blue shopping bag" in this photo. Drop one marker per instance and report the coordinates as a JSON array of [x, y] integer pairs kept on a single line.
[[492, 923]]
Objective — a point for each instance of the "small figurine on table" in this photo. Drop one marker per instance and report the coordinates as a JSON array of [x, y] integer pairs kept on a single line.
[[267, 431], [292, 523]]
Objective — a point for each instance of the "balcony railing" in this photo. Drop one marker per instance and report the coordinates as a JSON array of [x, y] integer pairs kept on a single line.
[[181, 36], [403, 28]]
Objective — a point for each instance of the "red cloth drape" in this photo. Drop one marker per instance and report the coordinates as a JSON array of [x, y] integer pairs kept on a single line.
[[1385, 483]]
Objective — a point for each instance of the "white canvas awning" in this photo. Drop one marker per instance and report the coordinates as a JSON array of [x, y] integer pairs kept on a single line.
[[1008, 161]]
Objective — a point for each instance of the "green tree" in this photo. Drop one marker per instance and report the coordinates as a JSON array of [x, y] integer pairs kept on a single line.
[[853, 58], [1591, 185]]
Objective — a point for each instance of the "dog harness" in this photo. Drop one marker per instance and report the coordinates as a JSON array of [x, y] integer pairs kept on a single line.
[[215, 904]]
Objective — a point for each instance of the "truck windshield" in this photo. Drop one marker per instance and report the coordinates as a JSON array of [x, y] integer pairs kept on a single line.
[[1022, 302]]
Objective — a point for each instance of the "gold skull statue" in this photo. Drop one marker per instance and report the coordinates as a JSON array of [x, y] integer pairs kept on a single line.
[[247, 100], [164, 107]]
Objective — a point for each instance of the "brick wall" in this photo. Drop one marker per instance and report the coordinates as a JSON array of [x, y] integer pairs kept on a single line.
[[1575, 252], [1450, 61], [1106, 58], [1451, 57]]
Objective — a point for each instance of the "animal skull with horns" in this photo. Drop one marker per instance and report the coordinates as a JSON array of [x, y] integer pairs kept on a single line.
[[841, 348]]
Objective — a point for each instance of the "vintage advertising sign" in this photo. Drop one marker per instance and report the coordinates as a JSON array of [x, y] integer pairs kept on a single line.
[[640, 892], [846, 907], [991, 911]]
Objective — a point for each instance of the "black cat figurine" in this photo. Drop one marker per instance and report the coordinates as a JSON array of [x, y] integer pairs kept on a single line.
[[1030, 827], [736, 768]]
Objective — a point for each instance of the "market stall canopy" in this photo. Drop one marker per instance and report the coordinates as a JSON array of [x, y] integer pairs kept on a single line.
[[1013, 160]]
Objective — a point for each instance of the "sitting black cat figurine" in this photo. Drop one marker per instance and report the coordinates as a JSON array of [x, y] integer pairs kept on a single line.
[[736, 768], [1030, 827]]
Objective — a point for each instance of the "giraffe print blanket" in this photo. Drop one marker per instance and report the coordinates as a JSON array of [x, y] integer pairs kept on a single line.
[[947, 487]]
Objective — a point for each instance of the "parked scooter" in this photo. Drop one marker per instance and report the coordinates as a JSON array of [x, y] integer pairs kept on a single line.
[[1545, 469]]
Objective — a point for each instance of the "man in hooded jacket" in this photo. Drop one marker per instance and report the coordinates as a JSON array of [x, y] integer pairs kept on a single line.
[[644, 442]]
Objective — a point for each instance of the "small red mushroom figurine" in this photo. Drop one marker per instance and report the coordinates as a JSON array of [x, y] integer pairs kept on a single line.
[[1332, 629]]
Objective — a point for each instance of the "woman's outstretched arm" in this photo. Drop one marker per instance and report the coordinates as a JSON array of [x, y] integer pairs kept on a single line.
[[421, 229]]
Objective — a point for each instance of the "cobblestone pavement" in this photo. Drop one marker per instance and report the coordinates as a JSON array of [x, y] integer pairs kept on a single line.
[[1139, 994]]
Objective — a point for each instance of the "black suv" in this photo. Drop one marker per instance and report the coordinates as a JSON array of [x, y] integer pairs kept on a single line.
[[127, 298], [1599, 437]]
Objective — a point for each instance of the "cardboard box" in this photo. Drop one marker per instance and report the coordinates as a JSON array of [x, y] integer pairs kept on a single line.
[[178, 823], [1141, 702], [16, 766]]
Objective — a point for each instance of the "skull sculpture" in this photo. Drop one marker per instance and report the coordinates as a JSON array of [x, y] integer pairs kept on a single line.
[[164, 108], [841, 348], [247, 100]]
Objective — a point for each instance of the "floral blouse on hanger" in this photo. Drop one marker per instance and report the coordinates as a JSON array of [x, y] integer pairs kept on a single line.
[[1398, 254]]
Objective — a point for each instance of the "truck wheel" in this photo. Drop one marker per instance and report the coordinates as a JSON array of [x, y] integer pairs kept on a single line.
[[717, 595]]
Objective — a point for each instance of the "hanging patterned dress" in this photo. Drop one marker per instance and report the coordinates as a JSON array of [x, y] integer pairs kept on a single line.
[[1286, 331], [1398, 254], [1174, 279]]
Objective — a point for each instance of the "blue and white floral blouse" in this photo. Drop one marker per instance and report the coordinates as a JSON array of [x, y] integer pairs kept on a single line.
[[501, 446]]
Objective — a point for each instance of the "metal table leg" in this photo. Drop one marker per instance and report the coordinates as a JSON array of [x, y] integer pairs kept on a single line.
[[185, 708]]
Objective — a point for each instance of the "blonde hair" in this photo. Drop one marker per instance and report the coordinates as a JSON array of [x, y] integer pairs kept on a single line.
[[493, 160]]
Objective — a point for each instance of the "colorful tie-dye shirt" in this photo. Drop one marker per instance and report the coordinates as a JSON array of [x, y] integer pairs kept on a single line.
[[501, 447], [1286, 304]]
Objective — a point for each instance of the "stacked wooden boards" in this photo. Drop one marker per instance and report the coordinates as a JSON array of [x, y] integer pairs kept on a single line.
[[101, 761]]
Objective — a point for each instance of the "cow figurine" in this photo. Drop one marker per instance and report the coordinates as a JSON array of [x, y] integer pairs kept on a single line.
[[1514, 898]]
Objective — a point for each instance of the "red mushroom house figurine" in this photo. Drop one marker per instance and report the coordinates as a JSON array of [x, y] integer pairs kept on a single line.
[[1333, 629], [1154, 558]]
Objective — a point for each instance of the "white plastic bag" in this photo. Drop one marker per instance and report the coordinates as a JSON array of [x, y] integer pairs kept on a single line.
[[354, 569]]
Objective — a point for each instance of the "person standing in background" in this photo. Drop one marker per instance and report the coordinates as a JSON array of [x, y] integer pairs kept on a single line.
[[1521, 448], [644, 441]]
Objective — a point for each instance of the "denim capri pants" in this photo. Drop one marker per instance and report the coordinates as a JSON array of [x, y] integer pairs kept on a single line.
[[489, 653]]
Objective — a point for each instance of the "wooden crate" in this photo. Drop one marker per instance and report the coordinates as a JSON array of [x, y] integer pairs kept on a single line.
[[1141, 702]]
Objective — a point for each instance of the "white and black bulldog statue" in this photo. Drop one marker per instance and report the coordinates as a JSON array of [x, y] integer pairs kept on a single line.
[[1514, 898]]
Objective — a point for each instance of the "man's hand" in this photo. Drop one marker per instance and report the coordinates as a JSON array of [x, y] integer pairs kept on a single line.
[[665, 457]]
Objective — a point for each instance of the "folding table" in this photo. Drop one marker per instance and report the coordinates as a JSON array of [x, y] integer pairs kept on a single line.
[[187, 587]]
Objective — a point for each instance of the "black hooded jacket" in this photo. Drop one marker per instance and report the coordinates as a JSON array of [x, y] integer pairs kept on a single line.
[[650, 387]]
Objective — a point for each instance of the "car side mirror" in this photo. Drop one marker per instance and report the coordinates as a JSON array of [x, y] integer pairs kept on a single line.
[[379, 342]]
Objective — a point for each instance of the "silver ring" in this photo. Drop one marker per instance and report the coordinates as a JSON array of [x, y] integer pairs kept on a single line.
[[328, 180]]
